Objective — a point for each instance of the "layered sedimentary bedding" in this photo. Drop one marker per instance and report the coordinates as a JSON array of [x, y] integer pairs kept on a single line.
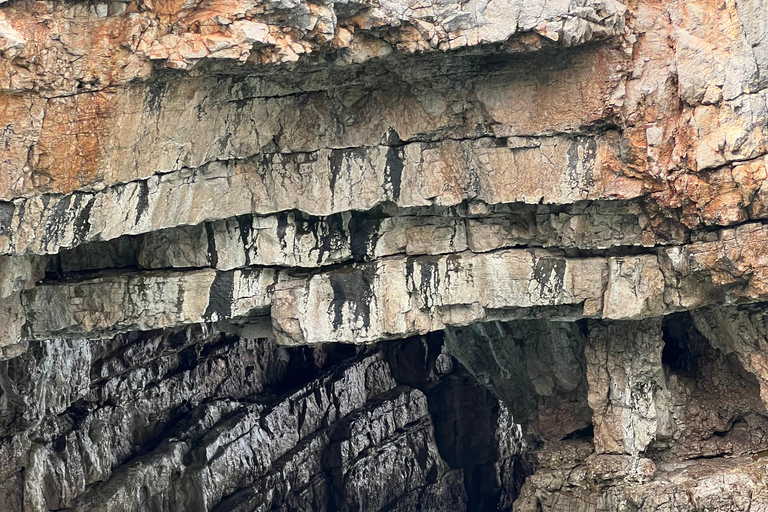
[[383, 255]]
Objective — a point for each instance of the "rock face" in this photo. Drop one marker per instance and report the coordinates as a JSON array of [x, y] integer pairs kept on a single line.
[[383, 256], [190, 419]]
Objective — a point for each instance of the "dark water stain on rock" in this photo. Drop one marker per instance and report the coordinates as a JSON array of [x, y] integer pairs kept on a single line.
[[549, 273], [353, 288], [393, 172], [364, 235], [220, 296]]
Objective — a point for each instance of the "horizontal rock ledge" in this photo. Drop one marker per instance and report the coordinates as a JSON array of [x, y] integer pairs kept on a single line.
[[292, 239], [238, 34], [400, 296], [326, 182]]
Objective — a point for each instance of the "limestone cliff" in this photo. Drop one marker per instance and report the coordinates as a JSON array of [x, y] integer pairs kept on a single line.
[[383, 255]]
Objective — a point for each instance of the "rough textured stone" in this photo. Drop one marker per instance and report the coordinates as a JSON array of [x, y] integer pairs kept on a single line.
[[193, 420], [536, 367], [459, 255], [627, 389], [392, 297]]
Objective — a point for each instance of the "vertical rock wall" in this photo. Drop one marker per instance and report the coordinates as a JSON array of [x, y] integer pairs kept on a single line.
[[383, 256]]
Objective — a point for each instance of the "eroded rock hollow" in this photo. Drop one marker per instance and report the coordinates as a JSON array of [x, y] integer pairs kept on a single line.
[[383, 255]]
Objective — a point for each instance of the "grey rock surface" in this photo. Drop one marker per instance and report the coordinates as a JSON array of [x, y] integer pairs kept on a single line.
[[190, 419], [292, 255]]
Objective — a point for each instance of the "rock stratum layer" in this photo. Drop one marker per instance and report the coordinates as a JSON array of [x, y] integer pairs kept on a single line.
[[383, 255]]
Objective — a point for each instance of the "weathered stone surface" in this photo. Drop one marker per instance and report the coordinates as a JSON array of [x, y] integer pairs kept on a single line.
[[536, 367], [127, 40], [294, 239], [659, 393], [320, 182], [549, 213], [704, 484], [399, 297], [148, 301], [392, 297], [738, 331], [197, 430], [627, 389]]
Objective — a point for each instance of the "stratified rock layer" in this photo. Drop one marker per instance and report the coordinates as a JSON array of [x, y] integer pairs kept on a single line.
[[383, 256]]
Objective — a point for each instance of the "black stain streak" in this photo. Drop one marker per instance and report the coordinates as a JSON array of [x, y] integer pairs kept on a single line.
[[22, 209], [200, 111], [220, 296], [83, 220], [142, 204], [430, 279], [393, 172], [245, 225], [364, 235], [409, 274], [57, 219], [6, 217], [306, 225], [331, 236], [353, 286], [335, 160], [282, 228], [550, 274], [213, 257], [153, 99]]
